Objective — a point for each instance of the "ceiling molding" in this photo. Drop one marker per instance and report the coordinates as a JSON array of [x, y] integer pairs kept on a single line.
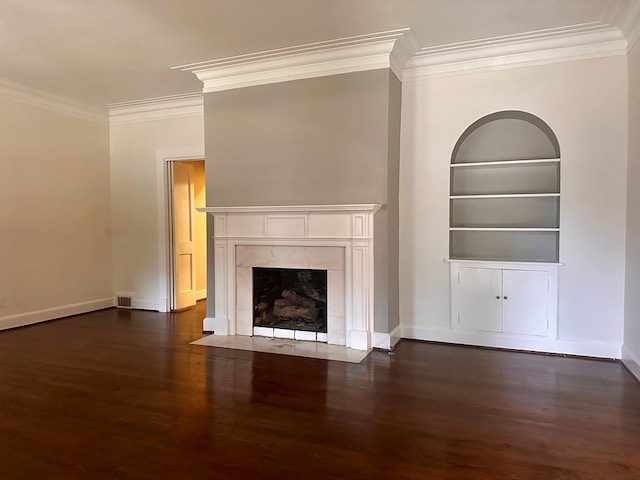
[[345, 55], [578, 42], [628, 18], [160, 108], [47, 101], [405, 47]]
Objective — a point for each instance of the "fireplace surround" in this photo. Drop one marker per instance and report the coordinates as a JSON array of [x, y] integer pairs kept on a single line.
[[335, 238]]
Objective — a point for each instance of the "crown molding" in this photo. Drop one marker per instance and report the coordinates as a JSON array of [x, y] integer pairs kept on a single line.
[[345, 55], [405, 47], [578, 42], [627, 16], [54, 103], [159, 108]]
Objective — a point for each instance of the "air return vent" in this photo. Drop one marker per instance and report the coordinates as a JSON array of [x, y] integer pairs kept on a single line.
[[123, 300]]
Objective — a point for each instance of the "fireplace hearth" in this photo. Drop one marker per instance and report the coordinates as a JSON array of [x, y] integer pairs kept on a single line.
[[290, 298]]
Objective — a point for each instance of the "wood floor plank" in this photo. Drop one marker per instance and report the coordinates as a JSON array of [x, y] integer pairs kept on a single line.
[[122, 394]]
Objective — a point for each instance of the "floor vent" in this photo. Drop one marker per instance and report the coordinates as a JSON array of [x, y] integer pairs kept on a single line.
[[123, 301]]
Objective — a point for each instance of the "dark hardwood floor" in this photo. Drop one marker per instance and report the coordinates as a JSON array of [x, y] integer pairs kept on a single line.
[[121, 394]]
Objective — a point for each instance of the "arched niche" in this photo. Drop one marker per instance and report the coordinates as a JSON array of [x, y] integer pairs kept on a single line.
[[506, 135], [505, 190]]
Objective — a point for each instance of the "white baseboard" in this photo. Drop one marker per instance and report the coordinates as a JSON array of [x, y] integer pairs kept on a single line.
[[145, 304], [631, 360], [201, 294], [217, 325], [37, 316], [396, 336], [587, 348], [160, 304], [358, 339], [163, 305], [386, 340]]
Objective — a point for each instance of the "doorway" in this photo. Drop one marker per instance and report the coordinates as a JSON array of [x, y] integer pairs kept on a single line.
[[187, 233]]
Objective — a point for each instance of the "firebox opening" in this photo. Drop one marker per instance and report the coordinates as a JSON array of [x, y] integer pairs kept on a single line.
[[290, 298]]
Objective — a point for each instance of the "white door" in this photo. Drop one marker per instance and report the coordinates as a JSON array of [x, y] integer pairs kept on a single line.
[[525, 302], [479, 295], [183, 235]]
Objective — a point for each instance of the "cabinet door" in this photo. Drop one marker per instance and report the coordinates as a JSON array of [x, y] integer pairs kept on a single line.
[[525, 309], [479, 299]]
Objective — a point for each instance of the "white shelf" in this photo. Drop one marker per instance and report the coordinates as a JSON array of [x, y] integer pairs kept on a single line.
[[506, 195], [502, 263], [503, 229], [505, 162]]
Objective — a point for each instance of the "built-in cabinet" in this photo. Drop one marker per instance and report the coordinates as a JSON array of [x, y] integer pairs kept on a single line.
[[504, 231], [515, 299]]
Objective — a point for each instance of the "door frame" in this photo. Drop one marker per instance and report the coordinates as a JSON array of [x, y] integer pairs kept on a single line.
[[166, 279]]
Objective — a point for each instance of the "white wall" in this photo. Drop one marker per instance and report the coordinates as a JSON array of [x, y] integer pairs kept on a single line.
[[137, 150], [55, 247], [585, 103], [631, 350]]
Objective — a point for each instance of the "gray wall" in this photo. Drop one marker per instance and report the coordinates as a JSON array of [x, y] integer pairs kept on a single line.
[[321, 140], [393, 207], [324, 140]]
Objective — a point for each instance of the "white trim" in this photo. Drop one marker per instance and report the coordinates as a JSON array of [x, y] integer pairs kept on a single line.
[[215, 325], [36, 316], [396, 335], [201, 294], [502, 229], [351, 54], [145, 304], [160, 108], [41, 99], [386, 340], [347, 226], [627, 16], [162, 157], [505, 195], [503, 263], [631, 360], [344, 208], [577, 42], [505, 162], [380, 340], [633, 32], [587, 348]]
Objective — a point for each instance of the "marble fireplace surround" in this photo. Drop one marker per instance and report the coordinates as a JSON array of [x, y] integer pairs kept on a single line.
[[336, 238]]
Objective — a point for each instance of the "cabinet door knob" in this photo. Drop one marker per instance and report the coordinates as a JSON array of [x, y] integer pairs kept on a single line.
[[497, 297], [505, 297]]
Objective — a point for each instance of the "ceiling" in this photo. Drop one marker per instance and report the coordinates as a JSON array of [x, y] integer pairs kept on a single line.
[[98, 52]]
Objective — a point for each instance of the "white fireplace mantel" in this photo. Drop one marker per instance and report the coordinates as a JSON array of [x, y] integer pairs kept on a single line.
[[348, 208], [338, 238]]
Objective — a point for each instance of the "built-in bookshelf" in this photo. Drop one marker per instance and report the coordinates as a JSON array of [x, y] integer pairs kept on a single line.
[[505, 209]]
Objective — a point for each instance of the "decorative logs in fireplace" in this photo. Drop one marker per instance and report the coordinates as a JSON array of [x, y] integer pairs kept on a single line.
[[292, 299]]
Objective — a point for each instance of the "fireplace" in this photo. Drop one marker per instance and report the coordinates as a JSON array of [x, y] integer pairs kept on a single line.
[[289, 299], [334, 239]]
